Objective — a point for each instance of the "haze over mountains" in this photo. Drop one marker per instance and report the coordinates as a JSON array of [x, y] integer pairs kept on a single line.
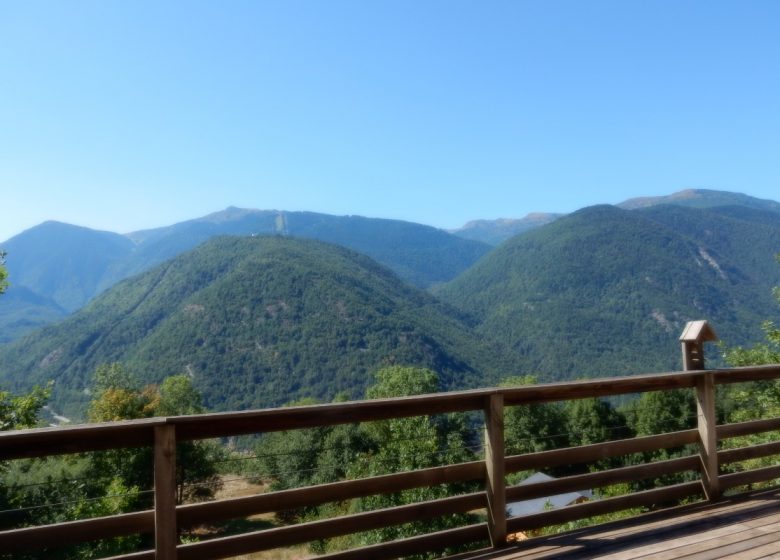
[[260, 320]]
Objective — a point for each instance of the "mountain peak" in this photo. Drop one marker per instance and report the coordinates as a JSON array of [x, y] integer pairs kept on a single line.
[[702, 198]]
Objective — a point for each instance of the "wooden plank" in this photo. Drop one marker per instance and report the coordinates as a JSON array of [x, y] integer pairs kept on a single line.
[[745, 374], [678, 537], [415, 545], [166, 536], [133, 433], [724, 547], [749, 477], [608, 386], [597, 451], [328, 528], [600, 479], [40, 442], [296, 417], [207, 512], [708, 438], [73, 532], [600, 507], [728, 456], [726, 431], [142, 555], [494, 469], [648, 535]]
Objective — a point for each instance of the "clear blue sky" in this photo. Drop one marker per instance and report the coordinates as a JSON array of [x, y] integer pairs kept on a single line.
[[125, 115]]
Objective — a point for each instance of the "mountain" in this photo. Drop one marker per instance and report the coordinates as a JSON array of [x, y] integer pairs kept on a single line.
[[70, 265], [703, 198], [606, 291], [54, 269], [495, 232], [62, 262], [22, 311], [419, 254], [256, 321]]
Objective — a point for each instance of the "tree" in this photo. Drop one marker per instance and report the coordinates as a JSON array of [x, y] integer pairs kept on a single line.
[[119, 396], [405, 444], [3, 273], [533, 427], [22, 411], [760, 399]]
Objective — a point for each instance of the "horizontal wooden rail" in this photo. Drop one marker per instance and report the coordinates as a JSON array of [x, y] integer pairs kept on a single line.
[[73, 532], [193, 514], [726, 431], [414, 545], [40, 442], [601, 507], [728, 456], [603, 478], [136, 433], [597, 451], [324, 529], [749, 477]]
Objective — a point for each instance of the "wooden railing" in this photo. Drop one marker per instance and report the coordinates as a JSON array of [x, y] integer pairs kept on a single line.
[[167, 518]]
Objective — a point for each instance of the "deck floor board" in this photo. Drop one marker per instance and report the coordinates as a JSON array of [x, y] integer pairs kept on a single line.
[[740, 528]]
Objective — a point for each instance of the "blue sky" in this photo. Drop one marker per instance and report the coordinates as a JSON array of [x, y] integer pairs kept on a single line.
[[129, 115]]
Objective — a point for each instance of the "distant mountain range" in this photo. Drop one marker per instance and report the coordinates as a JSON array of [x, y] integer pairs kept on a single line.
[[495, 232], [63, 266], [264, 316], [256, 321]]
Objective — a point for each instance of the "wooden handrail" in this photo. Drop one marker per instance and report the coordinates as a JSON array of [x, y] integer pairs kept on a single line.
[[167, 518]]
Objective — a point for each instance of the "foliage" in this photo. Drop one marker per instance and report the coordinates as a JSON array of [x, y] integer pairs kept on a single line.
[[534, 427], [405, 444], [118, 396], [3, 273], [313, 456], [755, 400], [22, 411]]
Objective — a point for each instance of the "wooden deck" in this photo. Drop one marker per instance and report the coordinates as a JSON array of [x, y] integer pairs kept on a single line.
[[743, 528]]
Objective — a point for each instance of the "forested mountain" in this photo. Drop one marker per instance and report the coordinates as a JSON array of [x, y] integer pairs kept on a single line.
[[69, 265], [256, 321], [605, 291]]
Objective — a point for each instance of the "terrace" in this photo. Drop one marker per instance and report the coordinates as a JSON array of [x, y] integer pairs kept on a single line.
[[723, 516]]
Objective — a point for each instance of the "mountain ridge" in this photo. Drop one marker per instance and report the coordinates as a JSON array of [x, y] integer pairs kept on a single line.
[[256, 321]]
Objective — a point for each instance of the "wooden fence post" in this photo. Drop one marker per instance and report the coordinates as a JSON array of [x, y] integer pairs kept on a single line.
[[166, 536], [705, 413], [495, 469]]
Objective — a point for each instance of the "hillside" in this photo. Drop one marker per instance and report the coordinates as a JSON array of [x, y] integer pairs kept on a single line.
[[69, 265], [257, 321], [605, 291]]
